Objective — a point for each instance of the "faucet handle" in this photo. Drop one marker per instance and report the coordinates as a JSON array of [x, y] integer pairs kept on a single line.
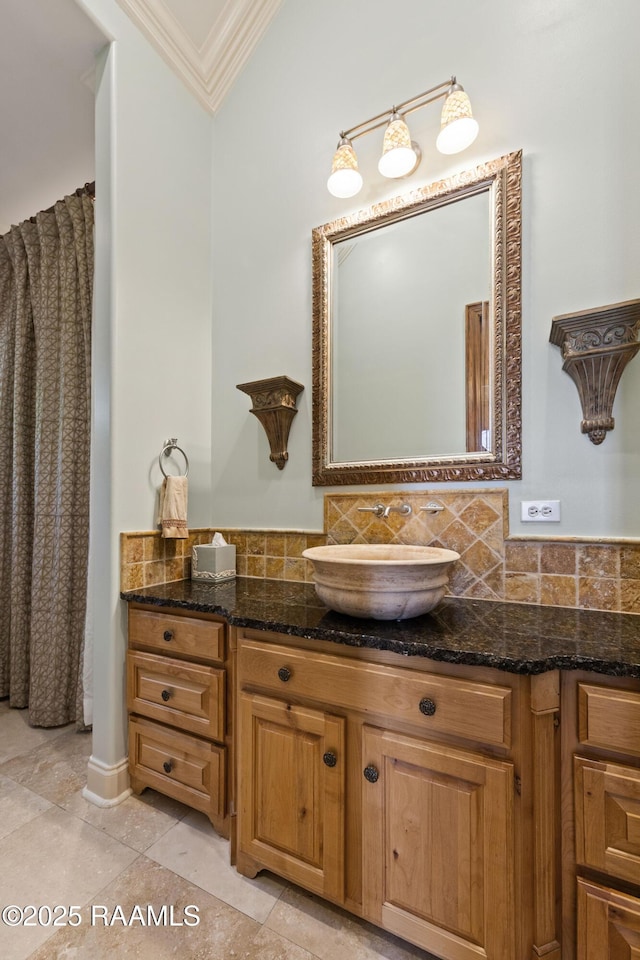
[[377, 510], [432, 507]]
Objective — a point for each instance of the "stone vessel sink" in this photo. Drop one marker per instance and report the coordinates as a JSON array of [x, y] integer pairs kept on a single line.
[[381, 581]]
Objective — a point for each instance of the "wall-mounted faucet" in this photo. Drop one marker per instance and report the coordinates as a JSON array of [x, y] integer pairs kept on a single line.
[[379, 510], [404, 510]]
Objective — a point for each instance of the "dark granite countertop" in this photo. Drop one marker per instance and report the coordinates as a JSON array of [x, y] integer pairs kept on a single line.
[[518, 638]]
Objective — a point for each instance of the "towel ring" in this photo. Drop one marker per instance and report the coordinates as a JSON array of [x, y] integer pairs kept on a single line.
[[166, 451]]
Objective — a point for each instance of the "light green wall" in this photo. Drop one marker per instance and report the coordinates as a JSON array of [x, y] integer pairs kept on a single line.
[[557, 79], [152, 328], [156, 166]]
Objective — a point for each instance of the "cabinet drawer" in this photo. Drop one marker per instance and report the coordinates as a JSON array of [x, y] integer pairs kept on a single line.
[[182, 635], [609, 717], [187, 695], [476, 711], [607, 802], [608, 923], [184, 767]]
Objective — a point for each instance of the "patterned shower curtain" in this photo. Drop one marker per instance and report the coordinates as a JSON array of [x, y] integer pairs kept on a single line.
[[46, 280]]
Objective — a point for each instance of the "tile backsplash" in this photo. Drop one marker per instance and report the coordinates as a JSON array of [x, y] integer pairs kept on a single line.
[[147, 559], [568, 572], [472, 523]]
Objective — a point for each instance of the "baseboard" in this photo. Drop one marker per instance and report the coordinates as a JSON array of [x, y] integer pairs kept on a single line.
[[107, 785]]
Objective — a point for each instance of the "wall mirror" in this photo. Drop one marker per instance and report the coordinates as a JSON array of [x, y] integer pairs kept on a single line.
[[416, 334]]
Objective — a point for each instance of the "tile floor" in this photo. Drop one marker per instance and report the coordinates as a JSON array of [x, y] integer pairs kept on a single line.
[[58, 849]]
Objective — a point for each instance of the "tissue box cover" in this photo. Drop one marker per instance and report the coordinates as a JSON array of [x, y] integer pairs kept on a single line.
[[212, 563]]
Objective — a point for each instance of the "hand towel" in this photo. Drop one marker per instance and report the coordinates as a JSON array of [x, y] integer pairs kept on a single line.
[[172, 513]]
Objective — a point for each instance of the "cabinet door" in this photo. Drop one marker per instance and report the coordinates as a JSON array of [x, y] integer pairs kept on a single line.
[[291, 791], [438, 846], [608, 924]]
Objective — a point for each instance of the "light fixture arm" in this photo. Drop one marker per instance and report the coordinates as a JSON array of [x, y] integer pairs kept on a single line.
[[408, 106]]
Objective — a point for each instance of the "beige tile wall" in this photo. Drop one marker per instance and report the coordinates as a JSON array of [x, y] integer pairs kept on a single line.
[[147, 559], [568, 572], [602, 575]]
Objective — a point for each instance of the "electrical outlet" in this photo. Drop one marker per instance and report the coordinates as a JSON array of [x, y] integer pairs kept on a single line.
[[546, 511]]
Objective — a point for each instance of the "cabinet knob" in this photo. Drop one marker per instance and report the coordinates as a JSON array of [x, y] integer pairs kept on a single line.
[[329, 759], [166, 766], [284, 673], [427, 706], [371, 773], [166, 694], [168, 635]]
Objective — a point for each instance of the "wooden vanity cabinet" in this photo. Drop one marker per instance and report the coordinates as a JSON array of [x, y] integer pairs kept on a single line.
[[601, 817], [401, 789], [178, 699]]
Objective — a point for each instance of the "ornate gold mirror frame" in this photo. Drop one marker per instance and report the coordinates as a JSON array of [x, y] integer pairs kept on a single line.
[[502, 178]]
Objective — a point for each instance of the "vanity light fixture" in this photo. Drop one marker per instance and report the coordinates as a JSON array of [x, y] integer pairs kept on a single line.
[[400, 154]]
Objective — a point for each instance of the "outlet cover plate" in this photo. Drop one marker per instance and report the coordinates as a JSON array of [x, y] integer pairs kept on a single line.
[[540, 511]]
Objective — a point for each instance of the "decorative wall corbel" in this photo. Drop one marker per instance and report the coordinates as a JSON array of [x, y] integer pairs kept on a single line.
[[274, 404], [596, 347]]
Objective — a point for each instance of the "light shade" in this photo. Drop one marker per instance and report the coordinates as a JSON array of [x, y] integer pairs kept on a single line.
[[399, 157], [458, 129], [345, 180]]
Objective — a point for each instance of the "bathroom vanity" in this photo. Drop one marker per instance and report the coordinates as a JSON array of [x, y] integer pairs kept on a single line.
[[469, 779], [399, 790]]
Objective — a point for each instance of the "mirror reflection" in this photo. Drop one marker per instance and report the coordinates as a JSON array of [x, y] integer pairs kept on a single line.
[[401, 296], [417, 333]]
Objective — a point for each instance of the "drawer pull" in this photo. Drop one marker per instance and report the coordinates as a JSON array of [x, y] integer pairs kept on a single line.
[[168, 635], [167, 766], [427, 706], [371, 773], [329, 759], [284, 673], [166, 695]]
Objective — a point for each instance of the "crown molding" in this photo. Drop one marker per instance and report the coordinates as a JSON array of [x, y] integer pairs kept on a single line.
[[164, 32], [210, 70], [231, 41]]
